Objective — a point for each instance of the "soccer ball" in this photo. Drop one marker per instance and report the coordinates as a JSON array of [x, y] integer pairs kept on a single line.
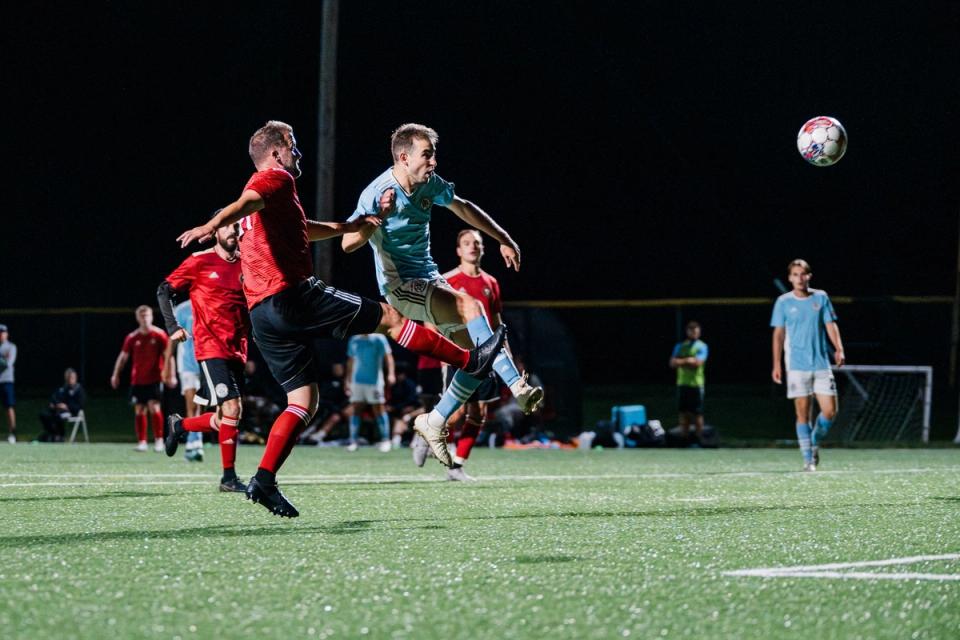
[[822, 141]]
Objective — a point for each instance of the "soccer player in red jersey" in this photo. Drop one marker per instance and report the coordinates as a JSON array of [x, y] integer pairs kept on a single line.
[[469, 278], [220, 325], [146, 346], [289, 308]]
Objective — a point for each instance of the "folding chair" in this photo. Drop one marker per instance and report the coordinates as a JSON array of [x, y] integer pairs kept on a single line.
[[78, 421]]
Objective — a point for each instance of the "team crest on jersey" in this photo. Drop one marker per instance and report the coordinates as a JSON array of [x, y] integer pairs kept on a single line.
[[221, 390], [816, 306], [419, 286], [424, 203], [487, 292]]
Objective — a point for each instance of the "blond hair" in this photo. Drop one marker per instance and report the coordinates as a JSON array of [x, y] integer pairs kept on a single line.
[[799, 262]]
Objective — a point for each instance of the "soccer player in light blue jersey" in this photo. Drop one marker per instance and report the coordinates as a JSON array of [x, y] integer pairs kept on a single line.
[[803, 320], [364, 383], [188, 372], [403, 196]]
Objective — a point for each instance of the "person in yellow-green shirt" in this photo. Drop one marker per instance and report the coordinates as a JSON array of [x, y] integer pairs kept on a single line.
[[689, 359]]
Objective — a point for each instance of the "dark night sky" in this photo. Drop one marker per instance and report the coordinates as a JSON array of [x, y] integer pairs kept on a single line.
[[633, 150]]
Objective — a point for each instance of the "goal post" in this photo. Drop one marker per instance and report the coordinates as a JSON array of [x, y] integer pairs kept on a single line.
[[883, 402]]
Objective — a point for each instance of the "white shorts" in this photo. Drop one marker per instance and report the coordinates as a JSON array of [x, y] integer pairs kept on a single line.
[[189, 380], [806, 383], [367, 393], [414, 300]]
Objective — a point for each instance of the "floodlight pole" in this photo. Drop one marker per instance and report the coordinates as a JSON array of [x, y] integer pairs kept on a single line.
[[326, 133]]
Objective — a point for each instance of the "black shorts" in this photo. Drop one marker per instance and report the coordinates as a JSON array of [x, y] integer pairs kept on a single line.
[[143, 393], [220, 380], [488, 391], [286, 324], [690, 400], [7, 396]]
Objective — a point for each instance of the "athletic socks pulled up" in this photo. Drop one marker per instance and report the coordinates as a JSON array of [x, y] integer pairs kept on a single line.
[[204, 423], [479, 330], [461, 388], [803, 437], [157, 424], [283, 436], [425, 341], [228, 442], [140, 426], [820, 430]]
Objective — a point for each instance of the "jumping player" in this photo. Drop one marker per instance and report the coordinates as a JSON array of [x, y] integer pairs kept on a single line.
[[289, 308], [408, 276], [220, 326], [146, 345], [802, 321]]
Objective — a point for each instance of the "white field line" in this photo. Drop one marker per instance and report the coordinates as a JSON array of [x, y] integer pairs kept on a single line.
[[832, 570]]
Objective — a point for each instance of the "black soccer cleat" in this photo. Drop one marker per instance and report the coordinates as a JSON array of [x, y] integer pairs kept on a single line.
[[175, 433], [233, 485], [482, 357], [270, 497]]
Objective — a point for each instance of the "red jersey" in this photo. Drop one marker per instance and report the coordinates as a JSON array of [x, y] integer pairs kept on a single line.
[[483, 287], [274, 241], [220, 320], [146, 352]]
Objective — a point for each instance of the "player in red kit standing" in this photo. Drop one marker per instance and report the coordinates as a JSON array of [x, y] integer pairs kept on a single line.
[[146, 347], [469, 278], [289, 308], [220, 325]]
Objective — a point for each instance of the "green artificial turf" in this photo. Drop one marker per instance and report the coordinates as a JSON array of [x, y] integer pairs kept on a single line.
[[97, 541]]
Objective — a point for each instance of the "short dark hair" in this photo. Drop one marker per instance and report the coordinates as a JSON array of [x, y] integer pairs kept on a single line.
[[693, 324], [402, 139], [273, 134]]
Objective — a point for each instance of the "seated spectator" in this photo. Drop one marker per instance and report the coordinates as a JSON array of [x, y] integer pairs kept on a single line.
[[66, 401], [333, 410]]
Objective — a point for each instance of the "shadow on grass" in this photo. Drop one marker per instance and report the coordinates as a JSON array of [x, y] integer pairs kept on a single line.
[[544, 559], [946, 498], [101, 496]]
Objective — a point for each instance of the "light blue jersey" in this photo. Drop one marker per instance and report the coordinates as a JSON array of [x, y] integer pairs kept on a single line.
[[805, 320], [401, 246], [186, 360], [368, 352]]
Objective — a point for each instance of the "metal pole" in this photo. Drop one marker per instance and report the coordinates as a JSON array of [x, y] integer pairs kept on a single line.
[[955, 324], [326, 133]]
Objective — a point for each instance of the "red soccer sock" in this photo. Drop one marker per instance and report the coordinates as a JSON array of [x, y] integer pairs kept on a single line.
[[157, 424], [228, 440], [468, 437], [140, 426], [202, 423], [425, 341], [283, 435]]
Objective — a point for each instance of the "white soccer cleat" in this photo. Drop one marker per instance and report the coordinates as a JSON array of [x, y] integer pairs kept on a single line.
[[459, 475], [528, 398], [141, 446], [809, 467], [384, 446], [353, 446], [12, 439], [420, 450], [158, 445], [436, 437]]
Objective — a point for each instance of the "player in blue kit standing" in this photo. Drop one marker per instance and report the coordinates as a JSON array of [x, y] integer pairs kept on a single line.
[[403, 197], [803, 320], [364, 383]]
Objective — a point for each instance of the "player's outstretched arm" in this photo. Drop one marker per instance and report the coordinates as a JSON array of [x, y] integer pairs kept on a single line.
[[317, 230], [248, 203], [477, 217]]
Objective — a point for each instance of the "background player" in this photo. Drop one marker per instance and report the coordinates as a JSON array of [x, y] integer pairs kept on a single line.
[[221, 323], [188, 374], [147, 346], [404, 196], [289, 308], [689, 358], [364, 384], [802, 321]]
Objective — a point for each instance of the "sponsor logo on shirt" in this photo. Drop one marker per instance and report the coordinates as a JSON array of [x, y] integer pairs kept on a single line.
[[213, 275]]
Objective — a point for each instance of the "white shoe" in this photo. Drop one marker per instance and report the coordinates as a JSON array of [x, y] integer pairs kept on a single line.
[[158, 445], [436, 437], [353, 446], [142, 446], [420, 450], [809, 467], [12, 439], [459, 475], [529, 399], [384, 446]]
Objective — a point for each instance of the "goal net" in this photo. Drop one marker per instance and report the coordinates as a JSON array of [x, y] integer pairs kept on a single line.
[[883, 403]]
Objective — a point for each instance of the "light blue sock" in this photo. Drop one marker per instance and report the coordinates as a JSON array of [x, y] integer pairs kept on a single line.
[[194, 436], [354, 426], [384, 421], [479, 330], [821, 430], [459, 391], [803, 437]]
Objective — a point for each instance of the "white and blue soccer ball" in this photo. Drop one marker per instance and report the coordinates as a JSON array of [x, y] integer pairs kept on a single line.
[[822, 141]]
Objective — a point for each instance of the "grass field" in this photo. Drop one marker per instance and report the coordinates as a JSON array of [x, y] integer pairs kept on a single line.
[[99, 541]]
